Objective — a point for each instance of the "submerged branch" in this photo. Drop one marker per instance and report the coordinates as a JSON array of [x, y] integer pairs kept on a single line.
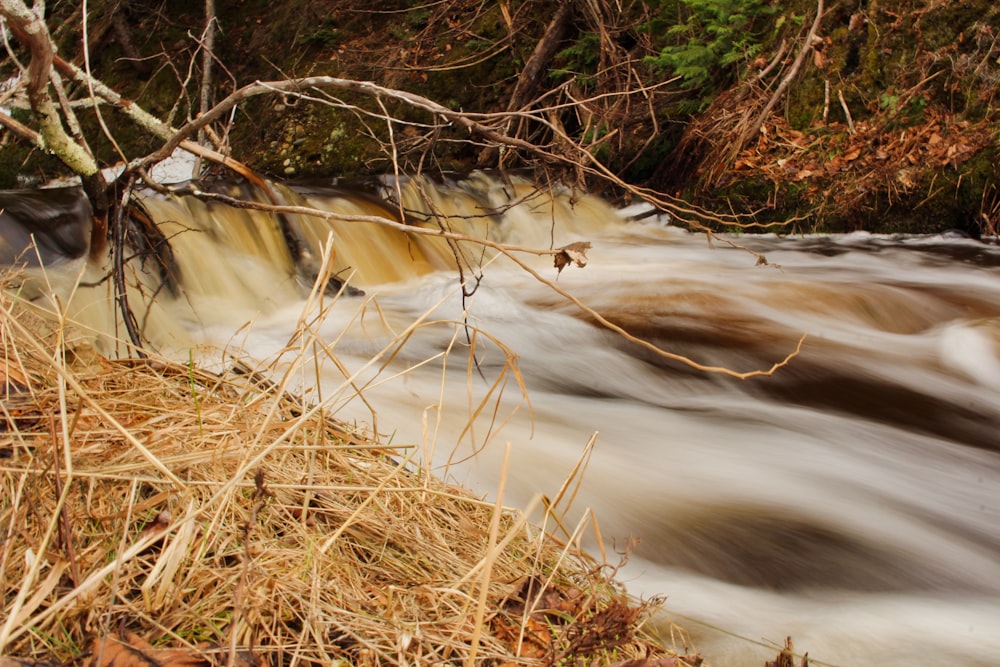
[[118, 270]]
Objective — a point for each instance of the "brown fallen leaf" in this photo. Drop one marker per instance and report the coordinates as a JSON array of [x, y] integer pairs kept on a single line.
[[572, 253], [819, 59], [23, 662], [158, 525], [530, 639], [692, 660], [904, 178], [131, 650]]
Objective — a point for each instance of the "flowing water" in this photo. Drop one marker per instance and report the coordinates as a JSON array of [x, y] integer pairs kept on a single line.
[[851, 500]]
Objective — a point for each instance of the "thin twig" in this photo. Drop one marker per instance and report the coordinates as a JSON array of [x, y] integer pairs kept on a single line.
[[64, 524], [847, 111], [826, 101], [118, 269]]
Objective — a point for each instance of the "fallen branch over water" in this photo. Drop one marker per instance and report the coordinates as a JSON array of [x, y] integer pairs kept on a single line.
[[563, 256]]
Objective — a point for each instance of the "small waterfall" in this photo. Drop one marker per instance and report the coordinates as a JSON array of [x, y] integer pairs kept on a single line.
[[852, 500]]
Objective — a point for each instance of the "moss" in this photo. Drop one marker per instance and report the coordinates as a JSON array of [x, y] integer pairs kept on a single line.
[[306, 139], [938, 200], [806, 103], [967, 187], [315, 140], [947, 22], [24, 166]]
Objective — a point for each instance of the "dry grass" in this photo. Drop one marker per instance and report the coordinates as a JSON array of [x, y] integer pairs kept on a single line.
[[210, 512]]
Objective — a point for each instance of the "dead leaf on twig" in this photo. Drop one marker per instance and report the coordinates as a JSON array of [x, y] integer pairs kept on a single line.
[[574, 252]]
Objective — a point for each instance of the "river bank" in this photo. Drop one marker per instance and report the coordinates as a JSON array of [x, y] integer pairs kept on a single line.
[[158, 513]]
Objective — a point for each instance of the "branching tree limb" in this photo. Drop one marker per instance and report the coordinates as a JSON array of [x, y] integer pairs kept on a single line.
[[562, 150], [207, 58], [31, 30], [485, 126], [511, 253]]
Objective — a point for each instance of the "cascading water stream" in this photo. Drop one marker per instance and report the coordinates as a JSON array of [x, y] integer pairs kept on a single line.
[[852, 500]]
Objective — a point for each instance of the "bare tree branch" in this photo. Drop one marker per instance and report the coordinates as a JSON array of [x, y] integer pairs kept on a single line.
[[511, 253], [571, 154], [31, 30], [537, 65], [21, 130], [207, 58], [807, 46], [535, 126]]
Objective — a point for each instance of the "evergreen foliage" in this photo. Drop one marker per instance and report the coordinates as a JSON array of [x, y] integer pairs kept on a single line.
[[716, 36]]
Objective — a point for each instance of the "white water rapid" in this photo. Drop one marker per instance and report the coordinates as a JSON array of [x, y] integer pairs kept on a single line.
[[851, 501]]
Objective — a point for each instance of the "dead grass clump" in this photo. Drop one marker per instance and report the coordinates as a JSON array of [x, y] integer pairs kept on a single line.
[[154, 513]]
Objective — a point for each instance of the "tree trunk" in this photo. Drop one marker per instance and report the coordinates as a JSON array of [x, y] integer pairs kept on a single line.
[[537, 65]]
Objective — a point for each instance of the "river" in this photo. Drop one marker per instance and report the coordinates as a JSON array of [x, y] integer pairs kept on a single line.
[[851, 500]]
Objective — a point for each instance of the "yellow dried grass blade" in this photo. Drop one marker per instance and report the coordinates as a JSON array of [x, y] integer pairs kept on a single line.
[[165, 569], [41, 592]]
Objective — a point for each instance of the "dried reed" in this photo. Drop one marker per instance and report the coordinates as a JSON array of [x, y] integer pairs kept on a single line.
[[152, 503]]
